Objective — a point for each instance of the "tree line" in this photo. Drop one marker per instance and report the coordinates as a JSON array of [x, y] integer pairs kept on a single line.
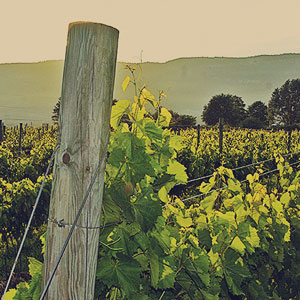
[[283, 110]]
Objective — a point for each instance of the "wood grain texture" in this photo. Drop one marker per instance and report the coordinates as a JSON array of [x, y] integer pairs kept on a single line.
[[87, 93]]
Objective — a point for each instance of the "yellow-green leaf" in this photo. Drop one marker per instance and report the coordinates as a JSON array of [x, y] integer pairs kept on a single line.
[[177, 169], [253, 239], [147, 96], [125, 83], [163, 195], [164, 117], [10, 294], [238, 245], [117, 111], [176, 142], [285, 199], [277, 206], [184, 222], [35, 266]]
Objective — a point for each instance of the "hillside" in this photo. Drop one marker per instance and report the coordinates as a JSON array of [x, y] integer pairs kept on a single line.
[[29, 91]]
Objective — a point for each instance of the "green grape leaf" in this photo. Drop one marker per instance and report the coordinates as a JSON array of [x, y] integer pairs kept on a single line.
[[235, 272], [167, 272], [147, 96], [35, 266], [208, 296], [122, 271], [146, 211], [117, 112], [164, 117], [152, 131], [184, 222], [238, 245], [43, 240], [209, 201], [10, 294], [154, 267], [177, 169]]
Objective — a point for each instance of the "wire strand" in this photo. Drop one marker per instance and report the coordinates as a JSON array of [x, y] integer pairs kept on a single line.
[[237, 168], [29, 223], [229, 185]]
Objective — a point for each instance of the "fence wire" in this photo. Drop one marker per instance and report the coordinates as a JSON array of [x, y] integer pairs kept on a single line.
[[235, 169], [229, 185], [29, 223]]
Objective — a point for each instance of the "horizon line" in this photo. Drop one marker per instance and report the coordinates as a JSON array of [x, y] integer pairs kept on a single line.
[[167, 61]]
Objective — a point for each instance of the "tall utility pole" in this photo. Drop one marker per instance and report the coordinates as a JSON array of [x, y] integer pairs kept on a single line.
[[87, 94]]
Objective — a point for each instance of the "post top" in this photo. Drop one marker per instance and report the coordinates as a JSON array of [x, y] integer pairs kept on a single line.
[[77, 23]]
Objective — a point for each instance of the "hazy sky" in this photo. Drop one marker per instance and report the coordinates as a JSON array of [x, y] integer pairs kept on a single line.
[[160, 30]]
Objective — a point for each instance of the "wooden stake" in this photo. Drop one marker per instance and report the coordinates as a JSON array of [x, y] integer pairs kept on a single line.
[[1, 132], [198, 136], [221, 135], [20, 137], [87, 93]]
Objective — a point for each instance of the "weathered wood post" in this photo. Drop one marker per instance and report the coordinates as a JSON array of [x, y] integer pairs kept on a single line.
[[289, 139], [1, 132], [20, 137], [87, 94], [221, 135], [198, 136]]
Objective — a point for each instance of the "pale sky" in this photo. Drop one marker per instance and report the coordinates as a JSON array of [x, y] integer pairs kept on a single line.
[[159, 30]]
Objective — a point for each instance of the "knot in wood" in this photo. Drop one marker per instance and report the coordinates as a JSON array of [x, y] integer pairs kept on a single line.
[[66, 158]]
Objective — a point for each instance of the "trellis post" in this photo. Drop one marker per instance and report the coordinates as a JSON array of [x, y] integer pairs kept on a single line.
[[20, 137], [221, 135], [1, 132], [198, 136], [87, 93]]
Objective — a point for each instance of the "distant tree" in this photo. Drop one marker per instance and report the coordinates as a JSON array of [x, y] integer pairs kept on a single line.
[[179, 120], [229, 107], [256, 116], [182, 120], [55, 111], [258, 110], [284, 105], [253, 123]]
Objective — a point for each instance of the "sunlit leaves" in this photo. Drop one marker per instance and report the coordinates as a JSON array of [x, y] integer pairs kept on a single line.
[[35, 266], [125, 83], [235, 271], [122, 271], [178, 170], [117, 112], [164, 117]]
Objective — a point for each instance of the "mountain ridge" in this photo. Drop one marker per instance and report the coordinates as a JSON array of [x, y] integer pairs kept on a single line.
[[189, 82]]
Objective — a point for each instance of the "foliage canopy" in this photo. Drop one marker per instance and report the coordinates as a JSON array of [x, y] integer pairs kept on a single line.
[[284, 105], [229, 107]]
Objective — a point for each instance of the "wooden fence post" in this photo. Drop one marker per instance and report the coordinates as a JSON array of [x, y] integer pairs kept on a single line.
[[1, 132], [289, 139], [221, 135], [20, 138], [87, 94], [198, 135]]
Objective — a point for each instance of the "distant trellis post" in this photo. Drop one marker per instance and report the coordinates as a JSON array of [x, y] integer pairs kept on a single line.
[[87, 93], [198, 135], [1, 131], [289, 139], [20, 137], [221, 135]]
